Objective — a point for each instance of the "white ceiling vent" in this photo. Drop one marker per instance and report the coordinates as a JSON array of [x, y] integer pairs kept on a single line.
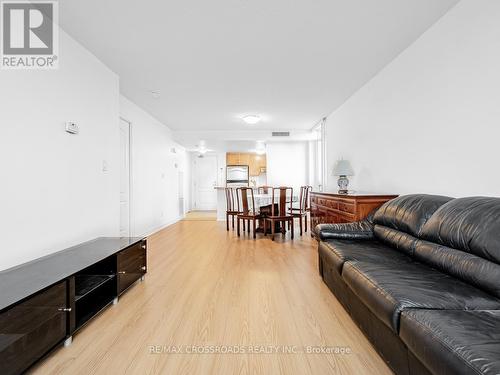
[[281, 134]]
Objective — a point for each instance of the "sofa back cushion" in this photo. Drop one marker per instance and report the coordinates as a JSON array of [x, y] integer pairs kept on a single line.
[[409, 213], [468, 267], [396, 239], [471, 225]]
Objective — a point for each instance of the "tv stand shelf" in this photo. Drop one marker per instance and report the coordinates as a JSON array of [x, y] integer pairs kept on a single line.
[[86, 284], [45, 301]]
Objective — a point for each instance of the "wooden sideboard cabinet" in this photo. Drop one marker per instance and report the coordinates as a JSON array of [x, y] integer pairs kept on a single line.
[[331, 208]]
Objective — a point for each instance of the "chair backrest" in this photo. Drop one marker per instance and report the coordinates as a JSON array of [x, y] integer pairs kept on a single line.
[[304, 198], [280, 198], [246, 195], [264, 189], [232, 202]]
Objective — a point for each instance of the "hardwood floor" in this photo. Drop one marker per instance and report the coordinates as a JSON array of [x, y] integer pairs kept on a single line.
[[201, 216], [206, 287]]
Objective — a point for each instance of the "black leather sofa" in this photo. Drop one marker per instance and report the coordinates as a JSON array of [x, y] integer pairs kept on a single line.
[[421, 278]]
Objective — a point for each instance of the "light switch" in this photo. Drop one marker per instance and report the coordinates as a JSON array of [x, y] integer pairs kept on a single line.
[[104, 166]]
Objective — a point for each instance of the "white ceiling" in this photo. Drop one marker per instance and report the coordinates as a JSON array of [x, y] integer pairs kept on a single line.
[[292, 62]]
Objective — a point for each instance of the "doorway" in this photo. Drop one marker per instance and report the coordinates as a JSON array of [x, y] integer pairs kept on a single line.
[[124, 178], [205, 180]]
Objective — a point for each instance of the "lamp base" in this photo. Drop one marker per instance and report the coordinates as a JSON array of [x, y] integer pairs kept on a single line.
[[343, 183]]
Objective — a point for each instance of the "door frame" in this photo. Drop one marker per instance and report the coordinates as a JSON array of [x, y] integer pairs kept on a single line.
[[130, 178]]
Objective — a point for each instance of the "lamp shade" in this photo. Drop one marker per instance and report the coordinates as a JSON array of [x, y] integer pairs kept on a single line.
[[342, 168]]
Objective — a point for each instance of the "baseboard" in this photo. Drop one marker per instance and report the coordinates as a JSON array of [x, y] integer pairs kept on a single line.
[[156, 230]]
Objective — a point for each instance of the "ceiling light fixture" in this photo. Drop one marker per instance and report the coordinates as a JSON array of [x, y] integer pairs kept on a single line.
[[155, 94], [251, 119], [202, 147], [261, 148]]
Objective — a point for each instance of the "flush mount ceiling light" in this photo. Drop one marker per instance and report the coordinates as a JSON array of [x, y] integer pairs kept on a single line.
[[155, 94], [251, 119], [202, 147], [261, 148]]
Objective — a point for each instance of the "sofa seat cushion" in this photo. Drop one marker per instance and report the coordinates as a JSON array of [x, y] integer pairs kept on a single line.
[[337, 252], [388, 290], [454, 342]]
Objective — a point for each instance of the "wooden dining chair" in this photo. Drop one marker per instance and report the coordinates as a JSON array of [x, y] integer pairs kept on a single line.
[[310, 188], [280, 200], [302, 209], [232, 205], [249, 214]]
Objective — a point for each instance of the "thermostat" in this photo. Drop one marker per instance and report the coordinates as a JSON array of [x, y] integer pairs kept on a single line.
[[72, 127]]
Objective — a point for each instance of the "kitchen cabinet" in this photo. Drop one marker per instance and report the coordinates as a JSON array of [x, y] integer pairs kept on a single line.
[[256, 163], [232, 158]]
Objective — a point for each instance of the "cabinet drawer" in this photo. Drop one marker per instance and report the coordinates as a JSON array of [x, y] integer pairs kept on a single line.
[[131, 265], [32, 328], [347, 207], [321, 201], [330, 203]]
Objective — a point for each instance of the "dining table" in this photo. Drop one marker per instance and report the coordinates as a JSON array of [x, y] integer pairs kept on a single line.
[[263, 204]]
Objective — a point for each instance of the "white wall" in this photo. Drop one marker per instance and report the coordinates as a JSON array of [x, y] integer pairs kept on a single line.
[[287, 164], [221, 168], [430, 121], [155, 171], [53, 192]]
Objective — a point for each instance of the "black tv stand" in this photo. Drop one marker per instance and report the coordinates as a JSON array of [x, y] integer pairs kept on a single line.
[[43, 303]]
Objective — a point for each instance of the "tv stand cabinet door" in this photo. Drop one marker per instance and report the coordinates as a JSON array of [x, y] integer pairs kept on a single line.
[[32, 328], [131, 265]]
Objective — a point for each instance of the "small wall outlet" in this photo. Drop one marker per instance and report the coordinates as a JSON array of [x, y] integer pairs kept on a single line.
[[72, 127]]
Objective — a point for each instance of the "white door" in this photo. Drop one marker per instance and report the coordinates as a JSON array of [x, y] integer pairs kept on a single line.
[[205, 182], [124, 178]]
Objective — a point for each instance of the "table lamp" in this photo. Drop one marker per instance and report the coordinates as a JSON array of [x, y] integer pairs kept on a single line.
[[342, 168]]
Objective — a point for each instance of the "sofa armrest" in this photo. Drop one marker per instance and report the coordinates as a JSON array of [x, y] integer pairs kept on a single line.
[[360, 230]]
